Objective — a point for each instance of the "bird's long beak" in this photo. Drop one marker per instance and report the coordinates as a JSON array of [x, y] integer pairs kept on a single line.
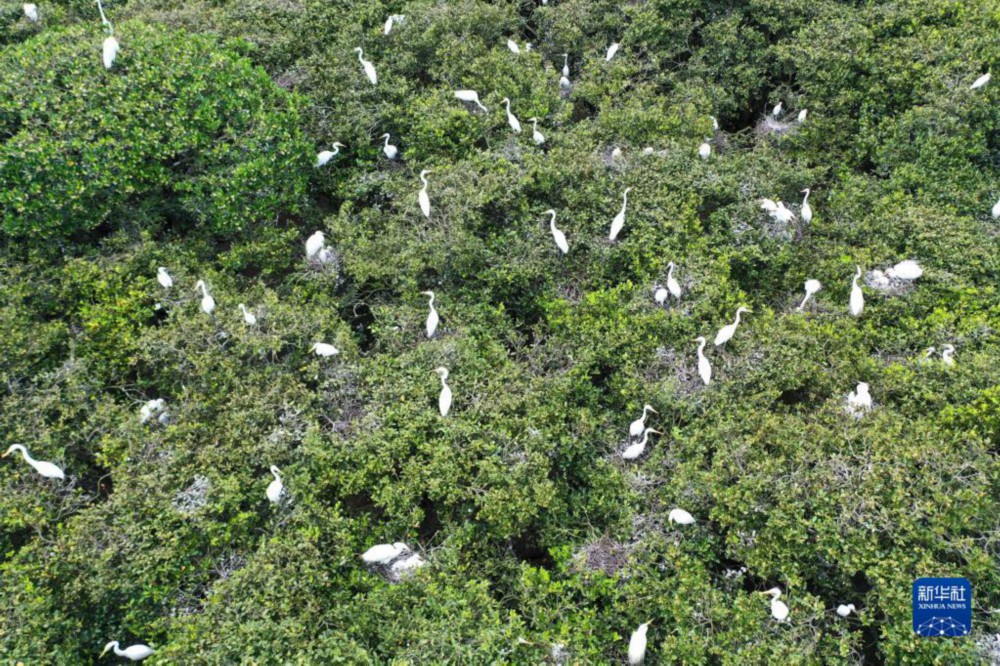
[[6, 453], [104, 653]]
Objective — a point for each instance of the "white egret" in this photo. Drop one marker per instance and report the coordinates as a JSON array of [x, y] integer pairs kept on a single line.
[[110, 51], [777, 210], [616, 153], [136, 652], [31, 12], [325, 156], [422, 198], [726, 333], [163, 277], [637, 644], [565, 69], [859, 401], [470, 96], [512, 120], [384, 553], [513, 47], [680, 516], [392, 21], [779, 611], [812, 286], [432, 316], [705, 150], [619, 221], [635, 428], [207, 302], [276, 487], [324, 350], [536, 136], [389, 149], [388, 26], [368, 67], [776, 111], [715, 123], [704, 367], [444, 400], [314, 244], [845, 610], [660, 295], [905, 270], [557, 235], [802, 115], [672, 285], [981, 81], [46, 469], [996, 210], [928, 355], [807, 211], [857, 302], [151, 409], [612, 50], [948, 354], [564, 83], [770, 205], [248, 317], [407, 565]]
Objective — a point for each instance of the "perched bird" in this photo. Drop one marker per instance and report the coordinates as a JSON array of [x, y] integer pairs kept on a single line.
[[422, 198], [996, 210], [776, 111], [444, 400], [660, 295], [635, 428], [715, 123], [512, 120], [564, 82], [389, 149], [680, 516], [536, 136], [807, 211], [384, 553], [802, 115], [324, 349], [857, 302], [619, 221], [905, 270], [276, 487], [637, 644], [314, 244], [672, 285], [407, 565], [388, 25], [31, 12], [812, 286], [704, 367], [470, 96], [151, 409], [557, 235], [164, 278], [616, 153], [136, 652], [612, 50], [513, 47], [928, 355], [859, 401], [325, 156], [777, 210], [432, 316], [726, 333], [109, 51], [844, 611], [981, 81], [46, 469], [248, 317], [948, 354], [779, 611], [207, 302], [565, 68], [368, 67], [705, 150], [635, 450]]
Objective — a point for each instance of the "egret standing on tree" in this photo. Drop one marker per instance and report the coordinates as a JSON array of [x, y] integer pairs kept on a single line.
[[807, 211], [672, 285], [470, 96], [981, 81], [207, 302], [905, 270], [325, 156], [779, 611], [947, 355], [637, 645], [512, 120], [812, 286], [389, 149], [635, 428], [704, 367], [432, 316], [46, 469], [422, 198], [680, 517], [705, 150], [636, 450], [324, 350], [31, 12], [314, 244], [726, 333], [612, 50], [368, 67], [857, 302], [536, 136], [136, 652], [164, 278], [276, 487], [619, 221], [558, 235], [444, 400], [565, 67], [248, 317]]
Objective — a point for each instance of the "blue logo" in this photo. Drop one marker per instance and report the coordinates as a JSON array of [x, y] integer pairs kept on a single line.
[[942, 607]]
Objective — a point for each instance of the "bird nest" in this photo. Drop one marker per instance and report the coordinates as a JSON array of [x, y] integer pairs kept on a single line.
[[771, 126], [605, 555]]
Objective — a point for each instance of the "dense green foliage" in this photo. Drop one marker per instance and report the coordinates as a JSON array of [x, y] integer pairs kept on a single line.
[[195, 152]]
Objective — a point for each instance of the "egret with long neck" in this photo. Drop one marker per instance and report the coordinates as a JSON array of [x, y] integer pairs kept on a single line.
[[46, 469]]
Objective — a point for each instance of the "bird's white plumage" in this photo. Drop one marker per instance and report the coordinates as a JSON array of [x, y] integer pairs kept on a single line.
[[726, 333], [637, 645], [660, 295], [619, 221], [136, 652], [672, 285], [407, 565], [948, 355], [324, 349], [802, 115], [612, 50], [857, 301], [811, 287], [314, 244], [807, 211], [207, 302], [109, 51], [779, 611], [843, 610], [276, 487], [151, 409], [512, 46], [905, 270], [557, 235], [444, 399], [367, 66], [384, 553], [705, 150], [388, 149], [432, 316], [512, 120], [46, 469], [324, 156], [249, 318], [422, 198], [636, 427], [859, 401], [31, 12], [704, 367], [470, 96], [776, 111], [536, 136], [680, 516], [996, 210], [163, 277], [564, 83], [981, 81], [565, 67]]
